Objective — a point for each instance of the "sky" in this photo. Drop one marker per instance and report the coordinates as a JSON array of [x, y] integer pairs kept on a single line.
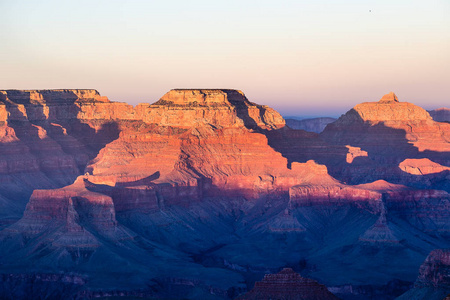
[[303, 58]]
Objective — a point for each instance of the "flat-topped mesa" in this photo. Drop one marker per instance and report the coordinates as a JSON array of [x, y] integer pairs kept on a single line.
[[177, 108], [218, 107], [202, 97], [59, 96], [60, 105]]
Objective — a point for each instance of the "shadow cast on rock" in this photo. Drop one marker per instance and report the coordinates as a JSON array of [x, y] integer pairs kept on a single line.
[[55, 146], [386, 148]]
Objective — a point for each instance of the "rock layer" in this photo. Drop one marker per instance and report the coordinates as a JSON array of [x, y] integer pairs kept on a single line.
[[388, 133], [288, 285], [215, 189]]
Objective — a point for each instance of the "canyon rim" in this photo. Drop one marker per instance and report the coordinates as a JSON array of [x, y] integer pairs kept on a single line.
[[207, 195]]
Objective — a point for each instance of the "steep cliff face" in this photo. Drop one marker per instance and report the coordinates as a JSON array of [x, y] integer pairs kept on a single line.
[[46, 139], [427, 210], [433, 281], [388, 135], [226, 108], [67, 219], [435, 271], [404, 123], [191, 137]]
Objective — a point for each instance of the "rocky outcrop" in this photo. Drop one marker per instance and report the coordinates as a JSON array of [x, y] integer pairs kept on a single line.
[[422, 166], [47, 137], [427, 210], [433, 281], [369, 143], [435, 271], [354, 152], [379, 232], [288, 285], [69, 211], [201, 138], [226, 108], [314, 125], [331, 192], [379, 136], [389, 98]]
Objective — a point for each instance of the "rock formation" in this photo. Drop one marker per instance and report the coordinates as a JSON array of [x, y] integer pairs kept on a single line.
[[433, 282], [205, 138], [46, 139], [287, 285], [203, 190], [378, 140], [422, 166]]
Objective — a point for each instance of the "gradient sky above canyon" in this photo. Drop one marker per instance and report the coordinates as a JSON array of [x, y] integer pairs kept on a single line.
[[305, 58]]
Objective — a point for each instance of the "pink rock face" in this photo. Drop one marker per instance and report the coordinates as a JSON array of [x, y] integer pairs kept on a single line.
[[56, 205], [193, 134], [416, 122], [384, 111], [422, 166], [194, 143], [332, 193], [383, 138], [44, 143], [225, 108], [188, 97], [51, 96], [287, 285], [391, 97], [354, 152]]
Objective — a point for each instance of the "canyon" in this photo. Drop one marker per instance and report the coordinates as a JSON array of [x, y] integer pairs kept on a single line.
[[316, 125], [203, 194]]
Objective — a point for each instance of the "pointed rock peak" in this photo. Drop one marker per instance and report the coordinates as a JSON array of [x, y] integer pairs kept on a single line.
[[202, 97], [388, 98], [387, 109]]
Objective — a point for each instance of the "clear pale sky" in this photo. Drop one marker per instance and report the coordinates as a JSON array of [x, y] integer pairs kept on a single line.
[[306, 58]]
